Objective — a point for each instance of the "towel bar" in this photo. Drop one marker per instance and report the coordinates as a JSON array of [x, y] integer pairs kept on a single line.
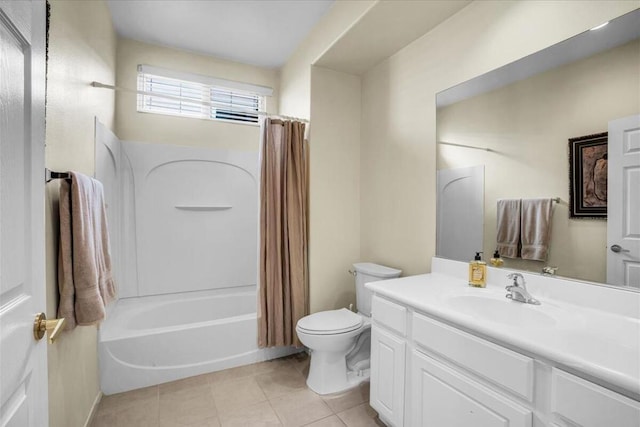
[[50, 175]]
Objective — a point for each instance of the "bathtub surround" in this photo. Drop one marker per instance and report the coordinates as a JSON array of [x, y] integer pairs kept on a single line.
[[179, 284], [283, 274], [84, 264], [190, 218], [82, 48]]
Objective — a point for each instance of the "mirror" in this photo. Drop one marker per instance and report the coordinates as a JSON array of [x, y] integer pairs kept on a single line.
[[516, 122]]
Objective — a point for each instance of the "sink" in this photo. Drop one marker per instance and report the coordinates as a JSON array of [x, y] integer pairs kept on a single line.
[[505, 311]]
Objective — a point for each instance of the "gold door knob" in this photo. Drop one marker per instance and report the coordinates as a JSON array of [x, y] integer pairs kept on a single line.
[[52, 327]]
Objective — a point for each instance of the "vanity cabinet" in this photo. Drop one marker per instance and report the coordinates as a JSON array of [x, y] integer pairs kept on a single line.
[[425, 372], [585, 404], [441, 396], [387, 375]]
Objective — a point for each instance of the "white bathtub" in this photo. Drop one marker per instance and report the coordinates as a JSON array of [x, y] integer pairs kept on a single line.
[[152, 340]]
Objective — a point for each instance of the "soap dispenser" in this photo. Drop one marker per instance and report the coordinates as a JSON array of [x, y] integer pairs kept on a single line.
[[478, 272], [496, 261]]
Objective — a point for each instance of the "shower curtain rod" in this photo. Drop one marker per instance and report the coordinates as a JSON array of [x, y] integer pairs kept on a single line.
[[205, 103], [465, 146]]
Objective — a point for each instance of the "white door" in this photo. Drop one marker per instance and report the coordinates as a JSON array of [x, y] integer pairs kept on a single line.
[[387, 376], [460, 216], [623, 202], [442, 396], [23, 360]]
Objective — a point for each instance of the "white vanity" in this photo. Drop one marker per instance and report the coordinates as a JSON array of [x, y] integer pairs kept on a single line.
[[444, 354]]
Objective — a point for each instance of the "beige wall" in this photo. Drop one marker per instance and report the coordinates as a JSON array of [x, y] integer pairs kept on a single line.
[[145, 127], [295, 75], [334, 238], [82, 48], [398, 161], [332, 101], [527, 124]]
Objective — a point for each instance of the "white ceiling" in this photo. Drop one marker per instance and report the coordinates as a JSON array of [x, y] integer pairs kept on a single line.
[[263, 33]]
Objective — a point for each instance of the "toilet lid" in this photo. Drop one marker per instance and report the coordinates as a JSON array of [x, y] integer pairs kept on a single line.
[[330, 322]]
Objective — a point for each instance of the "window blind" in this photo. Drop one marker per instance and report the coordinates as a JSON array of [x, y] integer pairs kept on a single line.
[[173, 96]]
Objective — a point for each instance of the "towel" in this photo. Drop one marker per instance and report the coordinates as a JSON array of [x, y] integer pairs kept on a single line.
[[536, 228], [84, 263], [508, 235]]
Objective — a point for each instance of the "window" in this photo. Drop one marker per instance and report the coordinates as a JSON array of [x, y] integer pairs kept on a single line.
[[173, 93]]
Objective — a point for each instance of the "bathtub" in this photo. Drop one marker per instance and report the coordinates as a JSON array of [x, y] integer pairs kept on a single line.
[[155, 339]]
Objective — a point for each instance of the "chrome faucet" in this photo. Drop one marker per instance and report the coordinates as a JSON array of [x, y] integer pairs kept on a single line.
[[518, 291]]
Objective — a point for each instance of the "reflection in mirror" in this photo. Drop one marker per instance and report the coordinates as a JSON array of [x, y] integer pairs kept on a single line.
[[516, 121]]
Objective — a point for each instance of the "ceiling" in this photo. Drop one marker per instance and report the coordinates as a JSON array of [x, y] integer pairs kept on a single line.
[[262, 33], [385, 29]]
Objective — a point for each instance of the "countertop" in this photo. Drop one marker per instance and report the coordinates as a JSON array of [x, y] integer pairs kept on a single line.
[[599, 344]]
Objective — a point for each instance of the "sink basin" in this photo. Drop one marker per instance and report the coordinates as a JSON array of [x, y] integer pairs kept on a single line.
[[505, 311]]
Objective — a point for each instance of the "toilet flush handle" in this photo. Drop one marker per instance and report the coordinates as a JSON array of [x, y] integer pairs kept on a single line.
[[353, 272]]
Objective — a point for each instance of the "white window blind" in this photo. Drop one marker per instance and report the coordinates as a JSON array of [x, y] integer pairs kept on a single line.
[[185, 97]]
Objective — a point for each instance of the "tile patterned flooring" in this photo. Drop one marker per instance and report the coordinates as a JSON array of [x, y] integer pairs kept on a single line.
[[272, 393]]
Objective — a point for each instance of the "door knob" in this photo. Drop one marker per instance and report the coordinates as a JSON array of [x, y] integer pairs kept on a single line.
[[618, 249], [52, 327]]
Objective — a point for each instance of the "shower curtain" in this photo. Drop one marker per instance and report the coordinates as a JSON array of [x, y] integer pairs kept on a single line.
[[283, 275]]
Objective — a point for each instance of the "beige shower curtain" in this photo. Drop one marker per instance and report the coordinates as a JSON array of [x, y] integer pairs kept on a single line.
[[283, 274]]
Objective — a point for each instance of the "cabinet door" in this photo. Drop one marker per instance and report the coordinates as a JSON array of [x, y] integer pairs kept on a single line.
[[585, 404], [442, 396], [387, 376]]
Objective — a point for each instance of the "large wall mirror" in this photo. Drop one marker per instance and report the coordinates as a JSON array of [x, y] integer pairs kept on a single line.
[[506, 135]]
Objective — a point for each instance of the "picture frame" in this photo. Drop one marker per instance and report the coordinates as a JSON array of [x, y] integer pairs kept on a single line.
[[588, 176]]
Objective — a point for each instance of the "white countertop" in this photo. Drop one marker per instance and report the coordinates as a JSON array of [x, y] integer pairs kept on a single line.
[[600, 344]]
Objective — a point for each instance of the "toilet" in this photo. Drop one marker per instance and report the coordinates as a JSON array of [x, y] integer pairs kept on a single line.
[[340, 340]]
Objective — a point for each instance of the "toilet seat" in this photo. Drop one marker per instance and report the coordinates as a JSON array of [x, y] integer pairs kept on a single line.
[[330, 322]]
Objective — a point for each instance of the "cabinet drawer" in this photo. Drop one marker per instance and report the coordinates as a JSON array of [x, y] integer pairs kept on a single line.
[[442, 396], [589, 405], [389, 314], [504, 367]]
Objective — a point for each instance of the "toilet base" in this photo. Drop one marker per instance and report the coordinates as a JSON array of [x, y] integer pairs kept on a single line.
[[328, 373]]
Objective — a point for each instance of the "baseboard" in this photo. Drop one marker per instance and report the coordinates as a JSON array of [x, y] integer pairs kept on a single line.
[[94, 409]]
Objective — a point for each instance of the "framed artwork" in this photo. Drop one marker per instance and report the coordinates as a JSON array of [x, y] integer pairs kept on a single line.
[[588, 176]]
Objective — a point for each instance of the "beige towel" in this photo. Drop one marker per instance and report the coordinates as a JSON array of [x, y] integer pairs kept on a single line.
[[536, 228], [508, 235], [84, 264]]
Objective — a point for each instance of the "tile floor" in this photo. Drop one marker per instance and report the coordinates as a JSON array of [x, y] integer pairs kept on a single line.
[[270, 393]]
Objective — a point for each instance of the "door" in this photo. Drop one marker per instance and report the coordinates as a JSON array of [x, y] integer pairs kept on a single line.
[[623, 202], [387, 376], [460, 217], [23, 360], [442, 396]]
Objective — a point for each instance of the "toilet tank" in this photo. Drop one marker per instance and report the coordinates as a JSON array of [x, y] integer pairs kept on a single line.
[[366, 272]]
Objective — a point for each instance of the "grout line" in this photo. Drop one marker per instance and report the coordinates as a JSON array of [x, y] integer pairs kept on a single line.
[[275, 412], [324, 418]]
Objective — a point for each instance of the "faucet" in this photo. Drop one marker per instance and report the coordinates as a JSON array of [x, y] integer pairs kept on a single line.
[[518, 291]]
